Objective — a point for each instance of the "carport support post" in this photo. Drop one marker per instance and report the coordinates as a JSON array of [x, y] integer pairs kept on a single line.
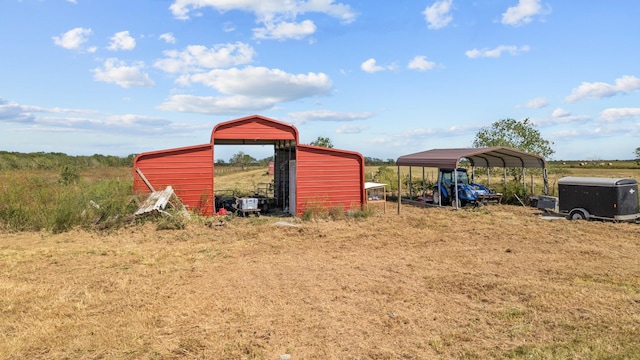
[[533, 186], [524, 180], [424, 183], [504, 177], [455, 183], [410, 185], [399, 189]]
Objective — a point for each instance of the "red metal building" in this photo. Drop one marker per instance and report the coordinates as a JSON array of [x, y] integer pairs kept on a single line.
[[304, 175]]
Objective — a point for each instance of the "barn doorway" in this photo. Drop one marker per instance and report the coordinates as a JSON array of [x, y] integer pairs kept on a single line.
[[271, 182]]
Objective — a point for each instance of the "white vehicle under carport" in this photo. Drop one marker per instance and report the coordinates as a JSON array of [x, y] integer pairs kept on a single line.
[[584, 198]]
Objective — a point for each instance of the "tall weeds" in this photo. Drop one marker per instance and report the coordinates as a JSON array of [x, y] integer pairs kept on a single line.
[[31, 202]]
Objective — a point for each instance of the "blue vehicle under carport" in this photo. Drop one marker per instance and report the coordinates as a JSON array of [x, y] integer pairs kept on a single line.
[[488, 158], [468, 192]]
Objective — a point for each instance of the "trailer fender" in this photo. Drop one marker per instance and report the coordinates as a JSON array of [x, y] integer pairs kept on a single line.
[[578, 214]]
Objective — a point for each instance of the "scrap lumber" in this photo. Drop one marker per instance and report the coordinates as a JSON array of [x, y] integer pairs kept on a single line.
[[157, 201], [144, 178]]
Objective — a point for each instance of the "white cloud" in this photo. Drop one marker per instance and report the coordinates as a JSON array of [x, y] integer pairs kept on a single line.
[[12, 112], [431, 133], [438, 15], [73, 1], [302, 117], [561, 116], [267, 9], [371, 66], [615, 114], [285, 30], [122, 41], [598, 90], [523, 12], [351, 129], [127, 124], [496, 52], [135, 120], [215, 105], [59, 119], [536, 103], [421, 63], [197, 57], [265, 83], [558, 113], [118, 72], [168, 38], [248, 89], [228, 27], [435, 137], [72, 39]]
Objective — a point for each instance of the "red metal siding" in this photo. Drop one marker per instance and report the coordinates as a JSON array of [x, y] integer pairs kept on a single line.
[[254, 128], [328, 177], [188, 170]]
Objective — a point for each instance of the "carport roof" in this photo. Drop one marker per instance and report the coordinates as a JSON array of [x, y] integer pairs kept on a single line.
[[487, 157]]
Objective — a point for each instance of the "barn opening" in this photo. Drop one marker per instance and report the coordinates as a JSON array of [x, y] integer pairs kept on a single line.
[[274, 189], [261, 131]]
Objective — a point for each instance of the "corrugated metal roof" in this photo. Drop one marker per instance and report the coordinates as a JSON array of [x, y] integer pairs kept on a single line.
[[488, 156], [252, 130]]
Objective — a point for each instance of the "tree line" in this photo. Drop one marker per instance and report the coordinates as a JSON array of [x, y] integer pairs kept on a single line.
[[521, 135], [55, 160]]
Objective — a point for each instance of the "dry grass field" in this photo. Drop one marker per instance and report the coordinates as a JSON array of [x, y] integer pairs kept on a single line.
[[493, 282], [431, 283]]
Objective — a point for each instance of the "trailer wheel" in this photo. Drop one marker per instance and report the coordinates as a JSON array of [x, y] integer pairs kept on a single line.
[[577, 215]]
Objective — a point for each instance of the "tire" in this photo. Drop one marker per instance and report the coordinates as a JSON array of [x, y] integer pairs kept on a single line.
[[436, 197], [577, 215]]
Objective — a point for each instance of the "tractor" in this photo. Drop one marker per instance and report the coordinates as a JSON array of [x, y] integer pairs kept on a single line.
[[468, 193]]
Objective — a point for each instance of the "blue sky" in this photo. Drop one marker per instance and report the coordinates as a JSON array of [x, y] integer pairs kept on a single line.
[[384, 78]]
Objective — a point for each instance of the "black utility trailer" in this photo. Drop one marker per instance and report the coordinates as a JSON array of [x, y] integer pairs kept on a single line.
[[582, 198]]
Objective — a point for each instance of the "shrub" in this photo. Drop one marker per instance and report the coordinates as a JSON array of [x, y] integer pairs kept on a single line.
[[512, 191], [69, 175], [336, 213], [362, 213], [172, 220], [313, 210], [386, 175]]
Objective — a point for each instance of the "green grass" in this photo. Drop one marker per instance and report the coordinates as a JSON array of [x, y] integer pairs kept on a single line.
[[41, 201], [70, 196]]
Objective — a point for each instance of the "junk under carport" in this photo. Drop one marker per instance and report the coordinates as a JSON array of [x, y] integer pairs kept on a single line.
[[485, 157]]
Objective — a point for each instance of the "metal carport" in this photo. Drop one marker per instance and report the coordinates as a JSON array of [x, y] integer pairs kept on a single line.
[[498, 156]]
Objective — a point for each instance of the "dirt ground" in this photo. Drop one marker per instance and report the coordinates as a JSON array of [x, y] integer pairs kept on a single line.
[[491, 282]]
